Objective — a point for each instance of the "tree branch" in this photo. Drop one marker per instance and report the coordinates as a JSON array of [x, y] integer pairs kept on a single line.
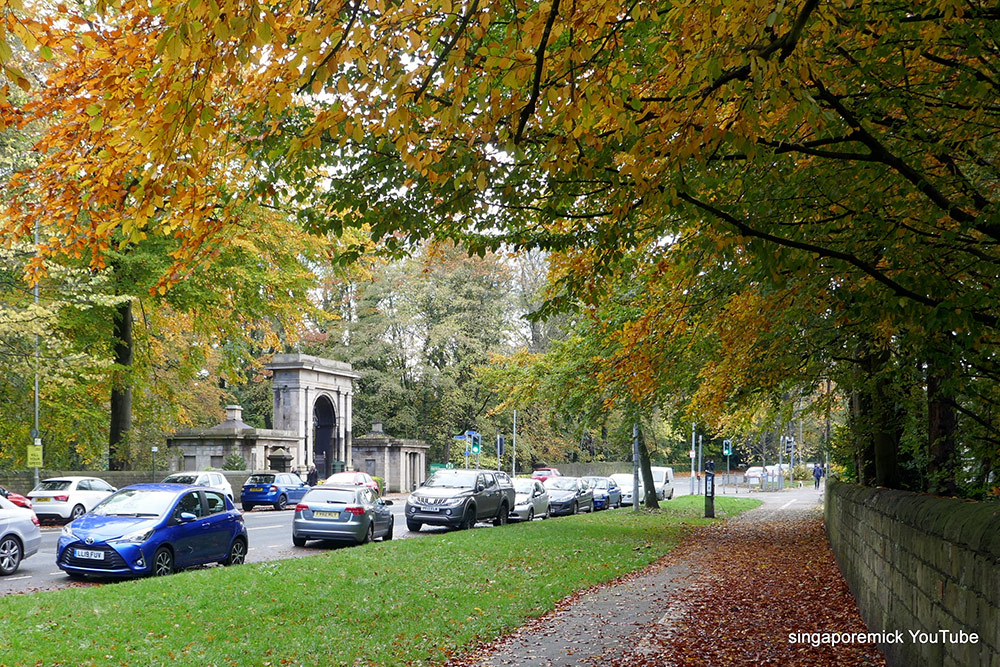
[[539, 67]]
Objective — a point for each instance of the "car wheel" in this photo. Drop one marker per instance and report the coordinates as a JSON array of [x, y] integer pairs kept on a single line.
[[531, 514], [413, 526], [671, 496], [247, 507], [163, 562], [78, 511], [576, 509], [10, 555], [392, 527], [298, 541], [369, 534], [282, 502], [237, 553], [468, 519], [501, 518]]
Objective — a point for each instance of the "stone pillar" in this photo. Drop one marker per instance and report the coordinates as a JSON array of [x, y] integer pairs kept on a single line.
[[348, 418]]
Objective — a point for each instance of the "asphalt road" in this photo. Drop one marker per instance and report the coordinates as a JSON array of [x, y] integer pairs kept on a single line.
[[270, 539]]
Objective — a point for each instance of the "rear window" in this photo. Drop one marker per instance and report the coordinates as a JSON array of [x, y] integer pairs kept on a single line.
[[330, 496], [54, 485], [260, 479], [181, 479]]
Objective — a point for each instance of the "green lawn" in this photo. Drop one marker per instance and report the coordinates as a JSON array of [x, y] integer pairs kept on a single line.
[[404, 602]]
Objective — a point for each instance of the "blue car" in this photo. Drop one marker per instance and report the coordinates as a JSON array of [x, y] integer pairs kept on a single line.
[[153, 529], [277, 489]]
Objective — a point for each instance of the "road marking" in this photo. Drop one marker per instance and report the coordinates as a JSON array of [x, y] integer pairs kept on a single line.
[[786, 504], [276, 525], [274, 546], [27, 576], [52, 574]]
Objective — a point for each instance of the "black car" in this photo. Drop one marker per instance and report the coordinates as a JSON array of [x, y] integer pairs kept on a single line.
[[460, 498], [569, 495]]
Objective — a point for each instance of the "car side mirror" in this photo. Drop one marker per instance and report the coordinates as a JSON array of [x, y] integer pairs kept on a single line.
[[186, 517], [386, 502], [480, 488]]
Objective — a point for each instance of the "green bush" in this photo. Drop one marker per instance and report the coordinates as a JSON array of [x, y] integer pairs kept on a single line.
[[234, 462], [381, 484]]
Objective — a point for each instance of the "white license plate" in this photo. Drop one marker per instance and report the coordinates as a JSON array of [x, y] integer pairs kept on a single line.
[[432, 509], [87, 553], [326, 515]]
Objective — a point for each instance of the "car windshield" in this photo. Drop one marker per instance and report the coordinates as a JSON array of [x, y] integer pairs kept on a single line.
[[561, 483], [659, 475], [597, 482], [260, 479], [332, 496], [54, 485], [136, 502], [523, 486], [452, 479], [181, 479], [623, 480], [341, 478]]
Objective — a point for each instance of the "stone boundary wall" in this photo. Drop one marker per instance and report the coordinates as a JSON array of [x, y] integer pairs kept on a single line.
[[924, 564]]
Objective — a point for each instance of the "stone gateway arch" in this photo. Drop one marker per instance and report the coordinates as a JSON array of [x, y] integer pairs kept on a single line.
[[313, 398]]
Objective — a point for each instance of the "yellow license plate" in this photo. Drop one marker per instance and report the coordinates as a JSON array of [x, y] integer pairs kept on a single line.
[[326, 515], [256, 488], [42, 500]]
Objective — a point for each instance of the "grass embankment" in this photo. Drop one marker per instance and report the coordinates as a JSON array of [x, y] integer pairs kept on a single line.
[[404, 602]]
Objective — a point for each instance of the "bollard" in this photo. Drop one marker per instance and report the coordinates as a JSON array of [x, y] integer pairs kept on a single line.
[[710, 490]]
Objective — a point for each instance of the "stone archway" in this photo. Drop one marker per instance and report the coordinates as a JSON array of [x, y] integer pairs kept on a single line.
[[314, 398], [325, 445]]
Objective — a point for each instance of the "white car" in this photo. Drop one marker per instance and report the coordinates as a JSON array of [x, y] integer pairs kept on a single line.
[[663, 482], [210, 479], [624, 481], [19, 535], [68, 497], [531, 499], [755, 475]]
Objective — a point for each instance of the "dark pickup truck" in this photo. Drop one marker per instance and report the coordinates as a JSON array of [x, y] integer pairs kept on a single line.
[[460, 498]]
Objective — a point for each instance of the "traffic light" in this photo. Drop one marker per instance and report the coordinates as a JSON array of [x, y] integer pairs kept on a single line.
[[727, 447], [789, 444], [500, 444], [475, 446]]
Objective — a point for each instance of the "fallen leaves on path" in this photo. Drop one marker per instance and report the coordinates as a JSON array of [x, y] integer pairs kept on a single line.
[[758, 583]]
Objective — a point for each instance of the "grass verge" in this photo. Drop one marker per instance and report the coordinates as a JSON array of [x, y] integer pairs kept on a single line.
[[407, 602]]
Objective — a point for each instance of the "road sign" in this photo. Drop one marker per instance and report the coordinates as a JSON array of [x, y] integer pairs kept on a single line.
[[692, 453], [35, 456], [460, 437]]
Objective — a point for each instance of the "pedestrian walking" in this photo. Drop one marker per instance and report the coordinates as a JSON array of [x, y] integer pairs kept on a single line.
[[313, 476], [818, 473]]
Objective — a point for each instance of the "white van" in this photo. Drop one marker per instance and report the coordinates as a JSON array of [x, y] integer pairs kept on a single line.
[[663, 482]]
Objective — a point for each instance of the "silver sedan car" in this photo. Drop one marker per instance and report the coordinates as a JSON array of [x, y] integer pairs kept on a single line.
[[20, 536], [531, 499], [344, 513]]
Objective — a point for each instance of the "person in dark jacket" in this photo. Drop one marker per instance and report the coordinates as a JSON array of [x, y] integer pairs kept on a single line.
[[818, 473], [312, 477]]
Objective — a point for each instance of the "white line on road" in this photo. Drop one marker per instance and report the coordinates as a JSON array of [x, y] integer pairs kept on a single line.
[[274, 546], [52, 574], [27, 576], [786, 504], [276, 525]]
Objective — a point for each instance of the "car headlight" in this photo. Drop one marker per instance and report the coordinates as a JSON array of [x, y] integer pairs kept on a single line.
[[523, 503], [138, 537], [67, 531], [452, 502]]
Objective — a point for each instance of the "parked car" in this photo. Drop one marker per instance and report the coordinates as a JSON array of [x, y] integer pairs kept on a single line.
[[755, 475], [460, 498], [531, 499], [542, 474], [663, 482], [352, 479], [16, 498], [68, 497], [607, 493], [624, 482], [20, 536], [352, 513], [277, 489], [569, 495], [214, 480], [153, 529]]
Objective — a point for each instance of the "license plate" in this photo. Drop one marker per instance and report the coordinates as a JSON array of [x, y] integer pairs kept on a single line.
[[326, 515], [42, 500], [87, 553], [432, 509], [256, 488]]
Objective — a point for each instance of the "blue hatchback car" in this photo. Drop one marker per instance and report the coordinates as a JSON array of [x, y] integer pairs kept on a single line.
[[277, 489], [153, 529]]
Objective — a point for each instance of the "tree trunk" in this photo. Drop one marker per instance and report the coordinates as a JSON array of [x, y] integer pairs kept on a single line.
[[646, 474], [941, 423], [121, 388]]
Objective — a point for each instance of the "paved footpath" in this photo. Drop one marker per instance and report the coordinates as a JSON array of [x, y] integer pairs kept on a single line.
[[731, 593]]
